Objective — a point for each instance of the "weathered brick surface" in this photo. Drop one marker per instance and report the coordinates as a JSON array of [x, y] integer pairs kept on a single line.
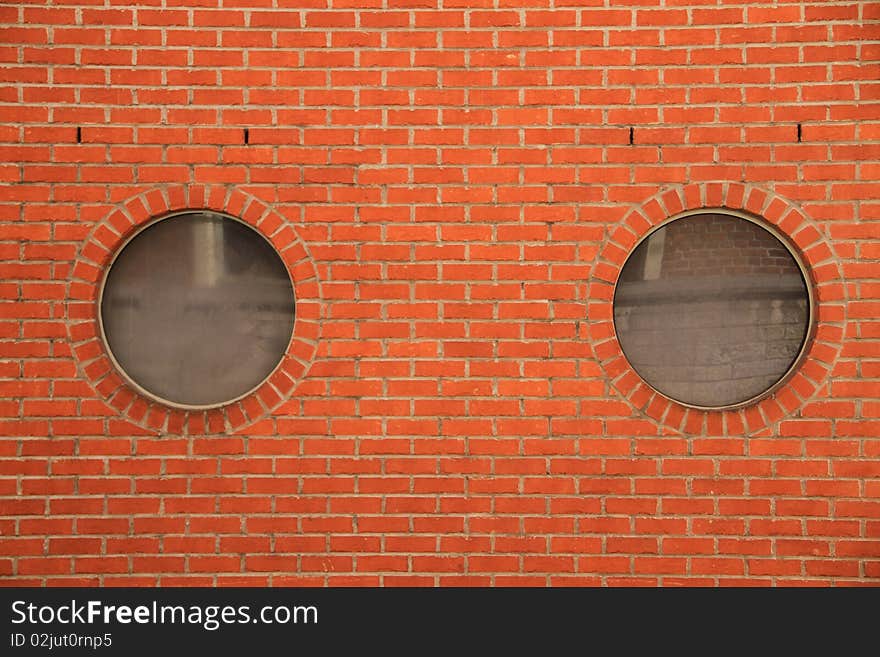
[[454, 188]]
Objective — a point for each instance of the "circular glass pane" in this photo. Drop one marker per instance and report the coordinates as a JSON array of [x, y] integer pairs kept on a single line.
[[712, 310], [197, 309]]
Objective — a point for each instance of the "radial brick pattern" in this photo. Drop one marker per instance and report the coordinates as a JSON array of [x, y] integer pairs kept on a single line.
[[823, 347]]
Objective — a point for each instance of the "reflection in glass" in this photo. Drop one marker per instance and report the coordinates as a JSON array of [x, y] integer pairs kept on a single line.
[[711, 310], [198, 309]]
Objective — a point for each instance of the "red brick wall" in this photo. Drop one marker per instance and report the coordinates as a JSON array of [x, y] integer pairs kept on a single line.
[[454, 190]]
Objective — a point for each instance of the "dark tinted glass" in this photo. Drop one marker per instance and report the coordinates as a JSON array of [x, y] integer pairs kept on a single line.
[[711, 310], [198, 309]]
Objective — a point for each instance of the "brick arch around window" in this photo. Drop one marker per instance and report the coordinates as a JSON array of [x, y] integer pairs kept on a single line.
[[807, 381], [83, 290]]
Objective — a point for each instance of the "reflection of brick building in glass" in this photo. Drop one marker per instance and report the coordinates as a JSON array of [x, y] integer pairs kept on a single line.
[[711, 309], [722, 246]]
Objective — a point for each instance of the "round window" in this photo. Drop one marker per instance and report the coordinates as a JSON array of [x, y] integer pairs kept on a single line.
[[197, 309], [712, 310]]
